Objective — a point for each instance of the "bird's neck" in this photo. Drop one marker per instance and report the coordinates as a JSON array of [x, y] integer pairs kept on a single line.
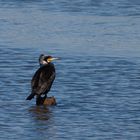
[[44, 64]]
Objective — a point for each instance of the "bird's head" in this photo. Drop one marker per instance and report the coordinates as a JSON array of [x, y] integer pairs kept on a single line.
[[44, 60]]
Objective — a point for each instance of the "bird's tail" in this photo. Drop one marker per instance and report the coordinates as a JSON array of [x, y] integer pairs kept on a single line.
[[30, 96]]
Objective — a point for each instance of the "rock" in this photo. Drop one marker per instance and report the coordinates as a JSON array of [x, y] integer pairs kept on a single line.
[[48, 101]]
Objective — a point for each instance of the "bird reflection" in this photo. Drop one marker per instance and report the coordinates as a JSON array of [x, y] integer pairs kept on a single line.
[[41, 118], [40, 112]]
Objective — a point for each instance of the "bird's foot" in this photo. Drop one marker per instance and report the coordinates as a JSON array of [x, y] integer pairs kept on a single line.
[[45, 101]]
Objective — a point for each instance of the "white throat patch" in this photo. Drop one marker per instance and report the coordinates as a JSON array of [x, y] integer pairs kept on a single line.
[[44, 62]]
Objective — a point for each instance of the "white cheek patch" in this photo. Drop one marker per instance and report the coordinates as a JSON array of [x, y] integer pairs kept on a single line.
[[44, 62]]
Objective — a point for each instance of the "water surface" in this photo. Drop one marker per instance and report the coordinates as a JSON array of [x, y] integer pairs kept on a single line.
[[97, 83]]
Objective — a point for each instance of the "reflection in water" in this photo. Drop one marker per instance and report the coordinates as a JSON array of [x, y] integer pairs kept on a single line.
[[40, 112], [42, 122]]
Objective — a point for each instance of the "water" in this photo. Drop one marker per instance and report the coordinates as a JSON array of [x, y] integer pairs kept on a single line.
[[97, 86]]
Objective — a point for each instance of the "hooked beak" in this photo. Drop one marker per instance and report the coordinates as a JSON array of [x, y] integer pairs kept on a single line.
[[53, 58]]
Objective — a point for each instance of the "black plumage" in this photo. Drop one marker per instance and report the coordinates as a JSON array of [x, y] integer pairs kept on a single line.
[[43, 78]]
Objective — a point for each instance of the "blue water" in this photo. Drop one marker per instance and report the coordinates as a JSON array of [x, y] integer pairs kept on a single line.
[[97, 86]]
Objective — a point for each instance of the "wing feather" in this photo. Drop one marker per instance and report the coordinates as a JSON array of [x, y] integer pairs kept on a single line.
[[43, 79], [45, 85]]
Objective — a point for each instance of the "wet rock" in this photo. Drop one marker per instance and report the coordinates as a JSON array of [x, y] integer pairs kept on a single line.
[[46, 101]]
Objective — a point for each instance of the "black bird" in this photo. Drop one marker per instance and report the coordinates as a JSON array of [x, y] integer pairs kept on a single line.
[[43, 78]]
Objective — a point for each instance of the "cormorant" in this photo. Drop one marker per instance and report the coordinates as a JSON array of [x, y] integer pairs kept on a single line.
[[43, 78]]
